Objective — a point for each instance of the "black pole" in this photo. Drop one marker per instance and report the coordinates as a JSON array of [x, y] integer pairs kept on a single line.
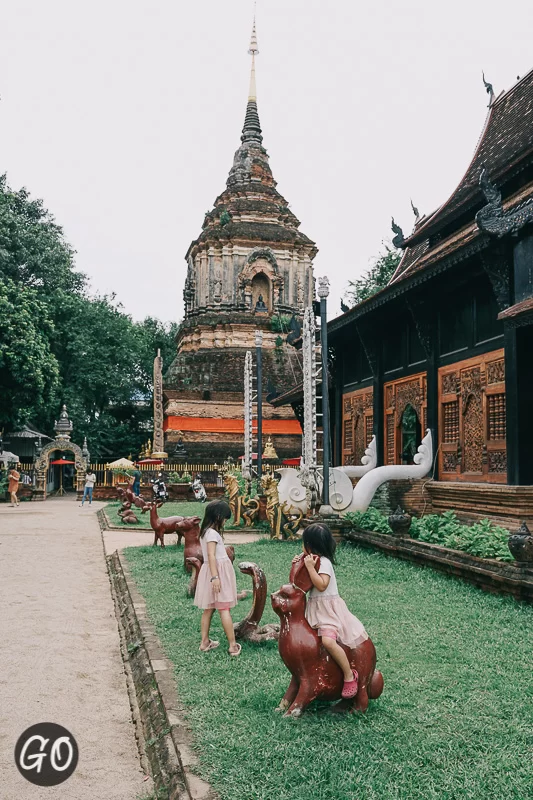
[[323, 291], [259, 366]]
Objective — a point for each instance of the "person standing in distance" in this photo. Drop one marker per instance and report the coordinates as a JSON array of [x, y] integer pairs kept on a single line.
[[90, 480], [14, 478]]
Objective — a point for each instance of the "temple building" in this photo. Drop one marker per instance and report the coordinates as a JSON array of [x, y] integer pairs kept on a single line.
[[250, 269], [448, 344]]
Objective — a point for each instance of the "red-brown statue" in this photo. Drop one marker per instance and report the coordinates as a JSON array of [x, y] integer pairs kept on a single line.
[[314, 673], [126, 496], [140, 502], [163, 525], [128, 517], [248, 629]]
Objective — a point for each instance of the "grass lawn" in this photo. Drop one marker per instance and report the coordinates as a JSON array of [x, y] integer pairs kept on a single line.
[[191, 509], [455, 719]]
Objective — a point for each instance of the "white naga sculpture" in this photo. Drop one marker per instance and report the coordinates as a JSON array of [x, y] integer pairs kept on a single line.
[[343, 496], [370, 483], [293, 493]]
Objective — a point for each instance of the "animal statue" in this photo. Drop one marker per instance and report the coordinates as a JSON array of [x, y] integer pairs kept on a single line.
[[292, 526], [163, 525], [314, 673], [128, 517], [273, 509], [190, 530], [248, 628], [241, 506], [140, 502], [250, 510], [126, 496], [232, 488]]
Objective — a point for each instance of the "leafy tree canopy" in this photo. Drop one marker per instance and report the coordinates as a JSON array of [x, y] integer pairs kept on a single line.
[[376, 278], [59, 345]]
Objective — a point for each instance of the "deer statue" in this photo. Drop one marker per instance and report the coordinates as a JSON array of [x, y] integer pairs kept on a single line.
[[314, 673], [163, 525]]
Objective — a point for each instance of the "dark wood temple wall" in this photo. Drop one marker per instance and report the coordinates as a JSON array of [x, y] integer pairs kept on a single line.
[[439, 365]]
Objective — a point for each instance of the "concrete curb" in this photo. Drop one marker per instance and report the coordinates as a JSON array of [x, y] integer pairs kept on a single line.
[[168, 741]]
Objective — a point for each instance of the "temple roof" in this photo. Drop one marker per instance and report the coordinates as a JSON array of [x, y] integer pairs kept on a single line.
[[505, 145], [507, 137]]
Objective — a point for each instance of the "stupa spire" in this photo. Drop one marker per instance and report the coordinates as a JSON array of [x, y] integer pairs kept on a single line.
[[252, 128], [253, 51]]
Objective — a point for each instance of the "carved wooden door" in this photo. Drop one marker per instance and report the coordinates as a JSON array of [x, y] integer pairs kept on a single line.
[[472, 421], [357, 425]]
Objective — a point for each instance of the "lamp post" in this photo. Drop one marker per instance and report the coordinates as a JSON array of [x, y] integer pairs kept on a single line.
[[259, 367], [323, 292]]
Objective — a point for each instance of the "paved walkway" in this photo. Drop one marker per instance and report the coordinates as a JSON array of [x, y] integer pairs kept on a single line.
[[59, 655]]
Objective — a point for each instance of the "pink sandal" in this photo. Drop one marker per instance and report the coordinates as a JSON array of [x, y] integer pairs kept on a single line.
[[237, 652], [350, 688], [211, 646]]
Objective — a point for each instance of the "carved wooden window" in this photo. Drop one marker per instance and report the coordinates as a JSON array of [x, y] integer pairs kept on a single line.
[[357, 424], [411, 391], [472, 421]]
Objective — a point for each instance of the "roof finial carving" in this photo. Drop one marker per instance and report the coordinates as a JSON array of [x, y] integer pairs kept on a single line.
[[416, 212], [492, 219], [399, 239], [490, 91]]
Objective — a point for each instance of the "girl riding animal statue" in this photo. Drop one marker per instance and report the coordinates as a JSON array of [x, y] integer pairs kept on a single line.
[[323, 645]]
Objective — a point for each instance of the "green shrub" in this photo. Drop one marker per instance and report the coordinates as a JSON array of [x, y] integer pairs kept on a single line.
[[175, 477], [483, 539], [371, 520]]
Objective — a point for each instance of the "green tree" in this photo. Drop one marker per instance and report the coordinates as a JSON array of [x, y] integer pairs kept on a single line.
[[60, 345], [33, 250], [29, 373], [376, 278]]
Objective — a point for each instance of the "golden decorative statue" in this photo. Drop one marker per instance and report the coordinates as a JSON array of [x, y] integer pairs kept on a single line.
[[250, 510], [283, 522], [232, 487], [241, 506], [291, 527], [273, 510]]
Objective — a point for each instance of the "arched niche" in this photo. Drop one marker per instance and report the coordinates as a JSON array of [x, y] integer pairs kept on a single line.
[[259, 271], [410, 434], [261, 292], [43, 461]]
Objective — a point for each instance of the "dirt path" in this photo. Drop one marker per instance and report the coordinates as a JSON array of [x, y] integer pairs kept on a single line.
[[59, 656]]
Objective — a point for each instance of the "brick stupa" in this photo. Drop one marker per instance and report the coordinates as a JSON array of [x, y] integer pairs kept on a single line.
[[250, 269]]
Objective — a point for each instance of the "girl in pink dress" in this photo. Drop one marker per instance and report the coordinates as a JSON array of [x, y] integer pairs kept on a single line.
[[216, 587], [325, 610]]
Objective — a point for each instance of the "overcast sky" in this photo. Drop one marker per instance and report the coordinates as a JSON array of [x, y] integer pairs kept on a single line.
[[124, 115]]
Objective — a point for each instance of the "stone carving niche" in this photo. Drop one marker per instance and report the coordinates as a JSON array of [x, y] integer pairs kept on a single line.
[[260, 276]]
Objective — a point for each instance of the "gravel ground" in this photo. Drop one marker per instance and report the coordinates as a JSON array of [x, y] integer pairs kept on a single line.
[[60, 659]]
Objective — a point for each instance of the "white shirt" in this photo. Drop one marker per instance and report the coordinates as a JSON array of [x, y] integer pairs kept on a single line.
[[211, 535], [326, 568], [90, 479]]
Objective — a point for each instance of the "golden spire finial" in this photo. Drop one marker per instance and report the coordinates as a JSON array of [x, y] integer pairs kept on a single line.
[[253, 51]]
